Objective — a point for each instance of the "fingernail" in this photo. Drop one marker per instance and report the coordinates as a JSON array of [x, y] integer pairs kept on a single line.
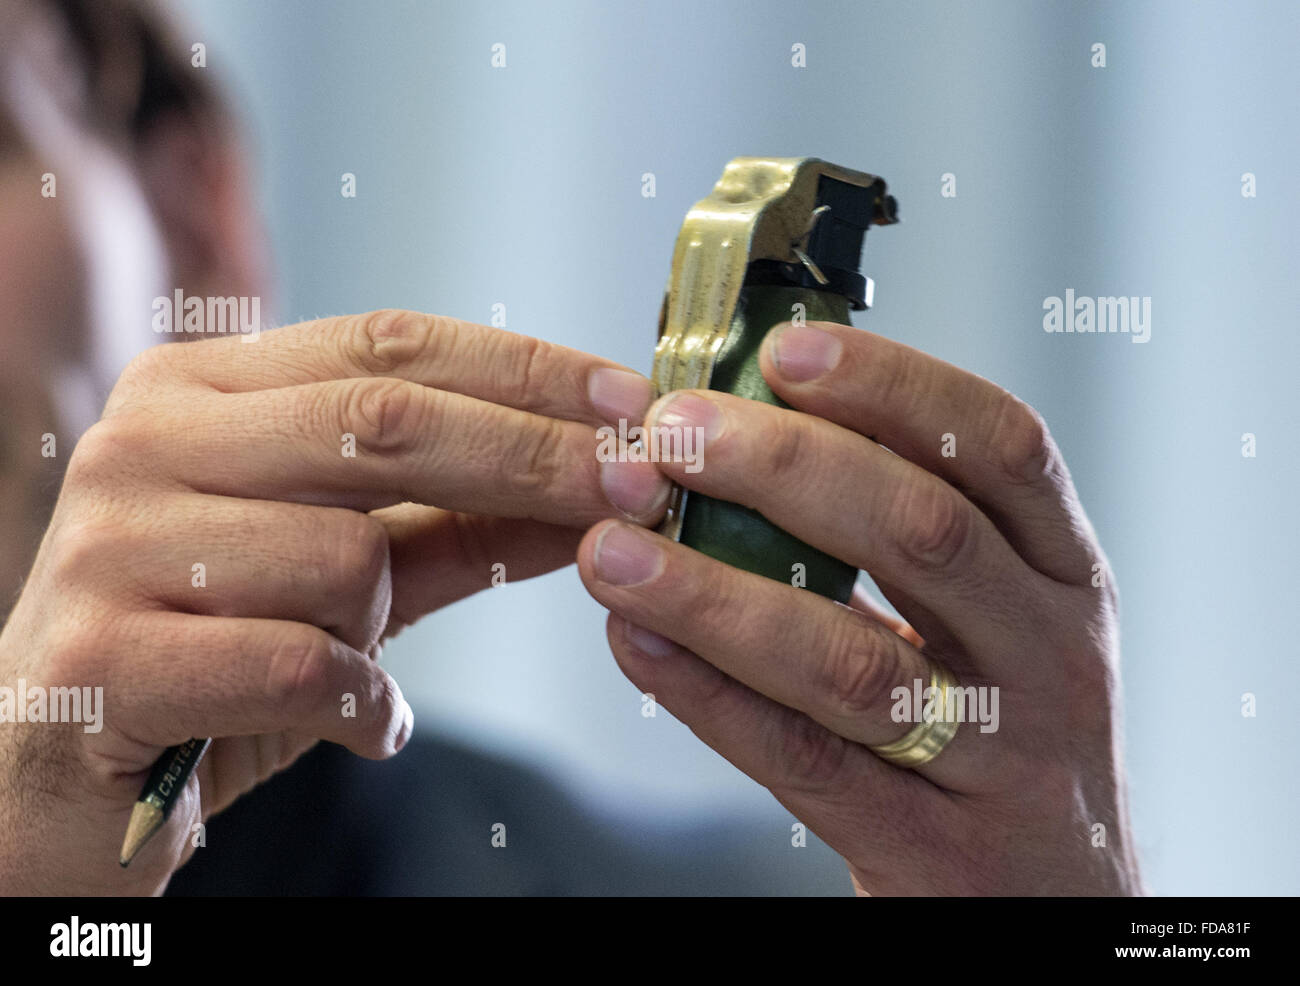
[[619, 394], [638, 489], [802, 353], [692, 411], [625, 557], [408, 726], [647, 641]]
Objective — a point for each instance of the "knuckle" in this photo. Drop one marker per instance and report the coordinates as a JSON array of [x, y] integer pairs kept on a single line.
[[378, 701], [1092, 678], [1021, 441], [105, 447], [895, 380], [363, 581], [707, 599], [1100, 588], [387, 697], [390, 338], [146, 371], [298, 671], [784, 446], [857, 676], [1100, 578], [362, 546], [470, 551], [813, 756], [385, 415], [719, 693], [82, 549], [78, 654], [536, 464], [1110, 598], [933, 524], [529, 368]]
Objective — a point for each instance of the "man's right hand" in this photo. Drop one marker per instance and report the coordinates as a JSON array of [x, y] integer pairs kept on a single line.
[[222, 565]]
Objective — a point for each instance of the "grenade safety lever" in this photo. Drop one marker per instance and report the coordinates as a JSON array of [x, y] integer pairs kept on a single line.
[[778, 238]]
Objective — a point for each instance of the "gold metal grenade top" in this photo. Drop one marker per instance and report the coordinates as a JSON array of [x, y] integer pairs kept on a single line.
[[761, 209]]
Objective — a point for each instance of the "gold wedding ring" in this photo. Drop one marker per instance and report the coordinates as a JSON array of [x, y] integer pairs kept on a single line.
[[926, 740]]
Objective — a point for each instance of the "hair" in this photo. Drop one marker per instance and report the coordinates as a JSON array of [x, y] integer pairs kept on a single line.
[[129, 70]]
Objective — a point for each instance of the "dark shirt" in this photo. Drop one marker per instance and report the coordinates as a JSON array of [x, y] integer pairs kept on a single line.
[[422, 823]]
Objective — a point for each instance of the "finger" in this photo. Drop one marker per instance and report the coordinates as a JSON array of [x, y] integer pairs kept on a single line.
[[846, 495], [440, 556], [921, 621], [170, 676], [444, 353], [993, 447], [867, 811], [369, 443], [840, 668], [225, 556], [233, 766], [861, 601]]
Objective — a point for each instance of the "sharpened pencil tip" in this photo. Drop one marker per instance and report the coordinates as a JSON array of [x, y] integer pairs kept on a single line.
[[145, 821]]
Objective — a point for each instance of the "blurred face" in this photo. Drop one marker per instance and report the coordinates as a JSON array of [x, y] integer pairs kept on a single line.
[[41, 292], [93, 226]]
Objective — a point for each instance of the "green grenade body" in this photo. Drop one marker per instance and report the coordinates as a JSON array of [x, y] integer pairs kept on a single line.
[[730, 532]]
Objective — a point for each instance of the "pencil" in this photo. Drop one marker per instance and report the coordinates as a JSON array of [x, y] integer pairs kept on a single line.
[[158, 796]]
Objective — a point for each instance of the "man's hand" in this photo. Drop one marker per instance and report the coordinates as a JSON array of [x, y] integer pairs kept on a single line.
[[986, 552], [235, 537]]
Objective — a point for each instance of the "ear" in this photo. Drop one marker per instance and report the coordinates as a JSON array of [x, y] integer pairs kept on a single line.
[[194, 176]]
